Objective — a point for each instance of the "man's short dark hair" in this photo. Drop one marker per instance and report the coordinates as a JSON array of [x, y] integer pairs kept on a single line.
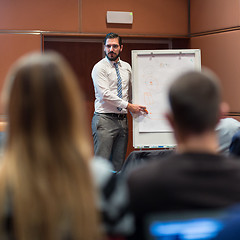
[[113, 35], [195, 101]]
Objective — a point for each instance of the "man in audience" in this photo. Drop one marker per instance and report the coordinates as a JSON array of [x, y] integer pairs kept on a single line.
[[234, 148], [226, 129], [195, 177]]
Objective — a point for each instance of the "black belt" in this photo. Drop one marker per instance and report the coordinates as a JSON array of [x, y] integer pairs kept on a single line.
[[115, 115]]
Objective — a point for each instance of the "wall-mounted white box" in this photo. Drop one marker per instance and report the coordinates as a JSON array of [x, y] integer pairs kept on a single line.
[[119, 17]]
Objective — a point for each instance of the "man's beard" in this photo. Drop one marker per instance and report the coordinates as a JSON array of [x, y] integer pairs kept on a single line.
[[112, 58]]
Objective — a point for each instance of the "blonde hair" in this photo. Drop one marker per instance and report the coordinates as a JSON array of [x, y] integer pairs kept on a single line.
[[46, 162]]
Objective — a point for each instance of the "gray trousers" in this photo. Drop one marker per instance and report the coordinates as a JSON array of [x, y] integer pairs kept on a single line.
[[110, 137]]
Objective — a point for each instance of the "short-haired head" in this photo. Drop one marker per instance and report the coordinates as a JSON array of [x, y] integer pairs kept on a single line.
[[195, 99], [111, 36]]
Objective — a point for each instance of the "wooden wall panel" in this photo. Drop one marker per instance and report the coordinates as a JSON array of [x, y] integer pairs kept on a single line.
[[208, 15], [167, 17], [14, 46], [49, 15], [221, 53]]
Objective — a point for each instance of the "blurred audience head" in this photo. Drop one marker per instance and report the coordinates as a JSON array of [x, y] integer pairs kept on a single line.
[[195, 102], [46, 162]]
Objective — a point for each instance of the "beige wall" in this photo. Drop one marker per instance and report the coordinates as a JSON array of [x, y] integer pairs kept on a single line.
[[208, 15], [215, 30], [159, 17], [19, 20], [44, 15], [221, 53], [14, 46]]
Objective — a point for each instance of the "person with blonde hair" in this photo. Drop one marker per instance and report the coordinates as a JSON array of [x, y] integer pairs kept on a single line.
[[46, 185]]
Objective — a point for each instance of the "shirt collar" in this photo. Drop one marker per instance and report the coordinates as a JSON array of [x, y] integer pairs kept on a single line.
[[111, 62]]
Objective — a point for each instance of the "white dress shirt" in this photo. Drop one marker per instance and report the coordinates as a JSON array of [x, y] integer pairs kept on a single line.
[[105, 85]]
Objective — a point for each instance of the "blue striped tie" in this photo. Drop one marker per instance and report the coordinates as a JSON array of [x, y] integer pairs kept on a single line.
[[119, 83]]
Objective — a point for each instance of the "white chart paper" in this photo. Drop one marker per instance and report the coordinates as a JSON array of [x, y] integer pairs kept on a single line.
[[153, 87]]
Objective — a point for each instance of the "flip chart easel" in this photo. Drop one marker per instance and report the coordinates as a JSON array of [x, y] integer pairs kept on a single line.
[[153, 72]]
